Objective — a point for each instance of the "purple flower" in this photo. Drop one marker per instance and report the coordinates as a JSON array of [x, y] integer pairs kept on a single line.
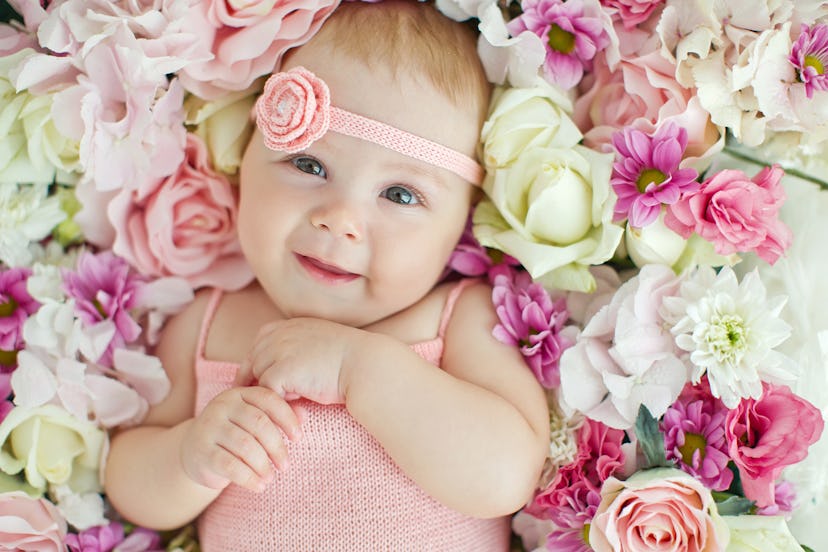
[[694, 436], [572, 539], [572, 33], [104, 289], [784, 501], [469, 258], [96, 539], [809, 55], [15, 307], [530, 320], [646, 172]]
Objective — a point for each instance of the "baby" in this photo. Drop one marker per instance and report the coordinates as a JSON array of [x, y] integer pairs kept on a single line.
[[346, 400]]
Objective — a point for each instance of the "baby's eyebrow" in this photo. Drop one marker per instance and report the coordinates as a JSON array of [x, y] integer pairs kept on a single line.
[[432, 174]]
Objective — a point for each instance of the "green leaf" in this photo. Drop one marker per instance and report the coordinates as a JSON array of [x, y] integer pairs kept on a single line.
[[7, 13], [650, 439], [806, 548], [732, 505]]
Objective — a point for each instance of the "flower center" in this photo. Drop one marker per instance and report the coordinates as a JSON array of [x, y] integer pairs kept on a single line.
[[560, 40], [816, 63], [727, 337], [649, 176], [8, 358], [585, 533], [692, 443], [99, 307], [8, 308]]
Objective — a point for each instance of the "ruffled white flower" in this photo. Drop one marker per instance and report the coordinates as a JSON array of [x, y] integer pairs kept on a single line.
[[730, 330], [27, 214], [81, 510]]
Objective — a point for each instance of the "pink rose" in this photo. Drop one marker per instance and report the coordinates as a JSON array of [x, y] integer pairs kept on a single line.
[[183, 225], [30, 523], [766, 434], [641, 93], [293, 110], [735, 213], [632, 12], [245, 40], [657, 509]]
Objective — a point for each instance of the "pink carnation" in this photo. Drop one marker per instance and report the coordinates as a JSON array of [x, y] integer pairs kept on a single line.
[[633, 12], [735, 213], [766, 434], [183, 225], [247, 43]]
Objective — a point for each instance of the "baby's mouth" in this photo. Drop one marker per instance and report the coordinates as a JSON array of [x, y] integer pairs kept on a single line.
[[325, 272]]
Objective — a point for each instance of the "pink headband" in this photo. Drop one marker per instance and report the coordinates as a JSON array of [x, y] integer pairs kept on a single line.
[[295, 110]]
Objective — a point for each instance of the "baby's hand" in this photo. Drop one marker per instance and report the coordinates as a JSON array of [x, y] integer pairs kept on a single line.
[[301, 357], [235, 439]]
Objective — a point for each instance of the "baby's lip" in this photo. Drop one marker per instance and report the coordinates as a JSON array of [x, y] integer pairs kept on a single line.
[[325, 271]]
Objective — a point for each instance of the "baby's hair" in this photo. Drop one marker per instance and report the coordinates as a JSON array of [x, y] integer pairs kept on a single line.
[[415, 37]]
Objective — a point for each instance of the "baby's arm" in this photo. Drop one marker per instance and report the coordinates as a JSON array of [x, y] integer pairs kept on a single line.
[[475, 434], [165, 472]]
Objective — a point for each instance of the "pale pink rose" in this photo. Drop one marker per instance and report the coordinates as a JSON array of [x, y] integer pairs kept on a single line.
[[30, 523], [247, 39], [293, 110], [767, 434], [642, 93], [735, 213], [658, 509], [183, 225], [633, 12]]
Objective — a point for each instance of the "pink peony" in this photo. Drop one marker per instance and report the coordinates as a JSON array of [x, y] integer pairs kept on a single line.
[[633, 12], [530, 320], [183, 225], [246, 40], [15, 307], [573, 33], [735, 213], [30, 523], [766, 434], [657, 509], [293, 110]]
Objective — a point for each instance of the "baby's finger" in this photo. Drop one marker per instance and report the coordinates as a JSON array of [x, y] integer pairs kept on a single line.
[[253, 469], [228, 466], [278, 411]]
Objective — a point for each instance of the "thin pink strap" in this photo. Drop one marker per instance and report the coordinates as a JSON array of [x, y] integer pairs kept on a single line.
[[452, 298], [207, 321]]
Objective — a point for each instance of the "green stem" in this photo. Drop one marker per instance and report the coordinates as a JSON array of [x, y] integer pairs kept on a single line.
[[793, 172]]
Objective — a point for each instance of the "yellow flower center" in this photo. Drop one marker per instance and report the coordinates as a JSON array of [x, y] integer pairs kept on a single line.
[[8, 358], [8, 308], [727, 337], [816, 63], [692, 443], [585, 533], [649, 176], [99, 308], [560, 40]]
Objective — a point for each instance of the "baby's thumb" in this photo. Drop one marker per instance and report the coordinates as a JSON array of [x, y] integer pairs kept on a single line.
[[244, 376]]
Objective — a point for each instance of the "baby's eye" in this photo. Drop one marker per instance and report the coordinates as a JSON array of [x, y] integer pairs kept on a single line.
[[309, 165], [401, 195]]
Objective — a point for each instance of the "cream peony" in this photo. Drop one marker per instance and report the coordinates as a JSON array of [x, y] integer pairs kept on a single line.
[[552, 210], [51, 447]]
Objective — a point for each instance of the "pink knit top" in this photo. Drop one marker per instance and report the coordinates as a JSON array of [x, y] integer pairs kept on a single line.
[[341, 490]]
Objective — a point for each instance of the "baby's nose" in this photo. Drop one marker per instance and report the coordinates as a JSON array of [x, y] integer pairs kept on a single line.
[[341, 218]]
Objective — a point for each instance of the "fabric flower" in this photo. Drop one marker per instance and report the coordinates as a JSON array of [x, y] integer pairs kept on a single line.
[[531, 320], [760, 534], [243, 41], [809, 56], [768, 433], [647, 174], [735, 213], [293, 110], [183, 225], [662, 508], [28, 523], [15, 307], [694, 437], [572, 31], [625, 357], [51, 447], [730, 330]]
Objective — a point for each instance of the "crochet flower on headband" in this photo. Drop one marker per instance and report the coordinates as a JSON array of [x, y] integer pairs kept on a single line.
[[294, 110]]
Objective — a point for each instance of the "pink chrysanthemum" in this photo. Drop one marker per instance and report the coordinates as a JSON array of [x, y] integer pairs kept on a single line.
[[809, 55], [694, 437], [572, 539], [532, 321], [469, 258], [15, 307], [646, 173], [571, 33], [104, 288]]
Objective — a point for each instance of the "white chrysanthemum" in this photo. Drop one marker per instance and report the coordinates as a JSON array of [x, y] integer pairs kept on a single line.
[[27, 214], [730, 330]]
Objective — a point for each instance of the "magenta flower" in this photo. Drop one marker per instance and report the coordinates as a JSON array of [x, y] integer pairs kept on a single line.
[[646, 173], [96, 539], [809, 55], [571, 31], [530, 320], [694, 437], [784, 501], [469, 258], [571, 539], [104, 289], [15, 307]]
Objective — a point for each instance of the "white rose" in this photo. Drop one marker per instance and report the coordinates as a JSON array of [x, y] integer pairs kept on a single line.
[[653, 244], [760, 534]]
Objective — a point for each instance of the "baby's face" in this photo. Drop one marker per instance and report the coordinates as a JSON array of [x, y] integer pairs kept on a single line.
[[348, 230]]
